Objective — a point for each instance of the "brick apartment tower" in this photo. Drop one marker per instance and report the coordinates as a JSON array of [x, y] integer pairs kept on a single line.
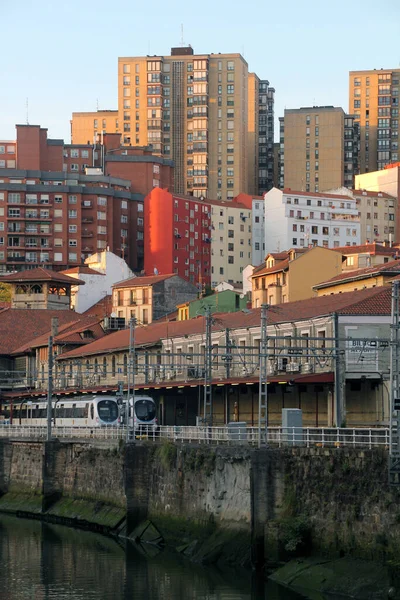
[[374, 100], [206, 112], [60, 203]]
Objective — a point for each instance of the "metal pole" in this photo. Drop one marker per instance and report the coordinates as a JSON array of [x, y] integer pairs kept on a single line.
[[263, 383], [338, 392], [131, 379], [50, 388], [228, 353], [394, 429], [208, 370]]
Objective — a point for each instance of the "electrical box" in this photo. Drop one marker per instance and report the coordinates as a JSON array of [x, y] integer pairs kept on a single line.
[[237, 432], [292, 426]]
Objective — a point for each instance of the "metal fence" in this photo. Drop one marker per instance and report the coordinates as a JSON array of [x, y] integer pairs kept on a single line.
[[229, 435]]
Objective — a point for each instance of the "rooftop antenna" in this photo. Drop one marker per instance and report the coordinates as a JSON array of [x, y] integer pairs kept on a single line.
[[27, 111], [182, 39], [97, 104]]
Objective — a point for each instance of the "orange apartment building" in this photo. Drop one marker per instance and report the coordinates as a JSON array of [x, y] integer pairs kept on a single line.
[[60, 203]]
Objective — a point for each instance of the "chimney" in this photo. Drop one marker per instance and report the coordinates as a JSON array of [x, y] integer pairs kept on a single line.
[[54, 326]]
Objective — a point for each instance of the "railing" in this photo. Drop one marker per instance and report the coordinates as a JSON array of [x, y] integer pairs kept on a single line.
[[306, 437]]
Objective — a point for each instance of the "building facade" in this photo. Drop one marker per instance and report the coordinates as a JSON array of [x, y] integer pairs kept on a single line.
[[377, 212], [201, 111], [62, 202], [386, 181], [88, 127], [302, 219], [374, 100], [292, 278], [231, 241], [149, 298], [318, 149], [177, 237], [257, 207]]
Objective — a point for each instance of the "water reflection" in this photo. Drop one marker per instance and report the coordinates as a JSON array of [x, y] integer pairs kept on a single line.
[[49, 562]]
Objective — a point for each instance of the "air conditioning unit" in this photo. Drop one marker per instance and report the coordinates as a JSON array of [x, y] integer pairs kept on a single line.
[[293, 367], [307, 368]]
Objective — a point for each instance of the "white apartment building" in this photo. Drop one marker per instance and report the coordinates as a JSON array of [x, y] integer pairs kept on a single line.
[[300, 219], [231, 241]]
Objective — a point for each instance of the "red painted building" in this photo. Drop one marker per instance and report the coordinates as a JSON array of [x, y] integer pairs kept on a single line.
[[177, 236]]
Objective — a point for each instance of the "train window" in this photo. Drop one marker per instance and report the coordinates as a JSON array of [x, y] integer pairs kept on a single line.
[[74, 415], [62, 412], [92, 411]]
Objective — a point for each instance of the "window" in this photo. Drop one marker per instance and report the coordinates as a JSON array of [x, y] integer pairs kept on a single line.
[[72, 228], [72, 199], [72, 214], [72, 256], [72, 243]]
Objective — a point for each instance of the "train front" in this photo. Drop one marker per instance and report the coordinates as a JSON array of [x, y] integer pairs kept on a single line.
[[145, 414]]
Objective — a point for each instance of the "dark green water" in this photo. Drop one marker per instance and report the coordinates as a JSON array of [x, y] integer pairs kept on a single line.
[[48, 562]]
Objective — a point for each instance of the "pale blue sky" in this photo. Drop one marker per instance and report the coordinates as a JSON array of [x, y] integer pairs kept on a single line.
[[63, 55]]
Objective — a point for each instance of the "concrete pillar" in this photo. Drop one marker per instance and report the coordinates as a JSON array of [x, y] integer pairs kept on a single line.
[[137, 481]]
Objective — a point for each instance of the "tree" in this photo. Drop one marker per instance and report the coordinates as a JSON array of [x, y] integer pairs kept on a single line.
[[5, 292]]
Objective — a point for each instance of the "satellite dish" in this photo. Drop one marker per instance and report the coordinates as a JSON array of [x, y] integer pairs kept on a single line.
[[113, 314]]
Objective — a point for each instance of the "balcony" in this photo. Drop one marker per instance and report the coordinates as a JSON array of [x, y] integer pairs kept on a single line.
[[87, 249], [87, 234], [87, 204], [87, 220], [15, 258]]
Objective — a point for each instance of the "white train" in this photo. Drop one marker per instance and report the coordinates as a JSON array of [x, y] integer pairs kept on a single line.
[[143, 418], [79, 411]]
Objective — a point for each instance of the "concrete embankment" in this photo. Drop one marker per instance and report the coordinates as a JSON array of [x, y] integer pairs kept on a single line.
[[227, 504]]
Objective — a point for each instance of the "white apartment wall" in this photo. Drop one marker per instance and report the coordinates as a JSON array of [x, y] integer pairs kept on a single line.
[[297, 220], [111, 269], [85, 296], [276, 225], [258, 231], [247, 273], [386, 180]]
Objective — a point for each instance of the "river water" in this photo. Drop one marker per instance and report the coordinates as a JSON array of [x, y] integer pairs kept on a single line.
[[50, 562]]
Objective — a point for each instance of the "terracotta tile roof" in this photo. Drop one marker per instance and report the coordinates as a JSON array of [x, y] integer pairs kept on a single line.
[[82, 269], [140, 281], [40, 274], [282, 265], [102, 308], [68, 333], [372, 194], [23, 326], [369, 301], [372, 248], [278, 255], [290, 192], [392, 267]]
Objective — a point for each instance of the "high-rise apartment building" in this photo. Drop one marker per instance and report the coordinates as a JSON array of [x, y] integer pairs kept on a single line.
[[206, 112], [266, 101], [318, 149], [374, 100]]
